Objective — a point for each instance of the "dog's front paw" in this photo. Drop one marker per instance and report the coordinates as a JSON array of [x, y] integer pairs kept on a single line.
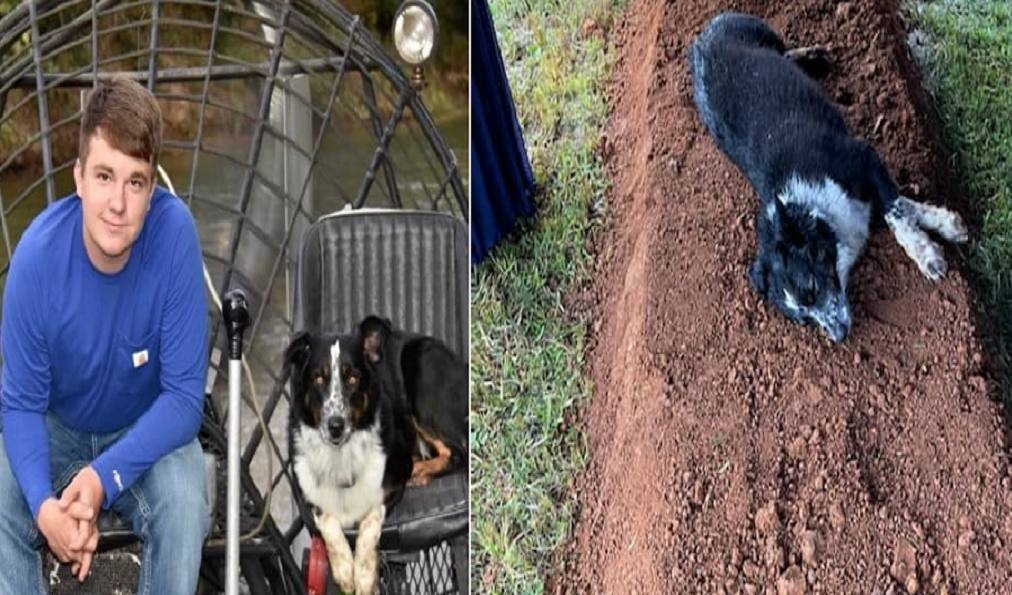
[[940, 220], [931, 261], [344, 575], [953, 229], [366, 556], [339, 553], [909, 233], [365, 577]]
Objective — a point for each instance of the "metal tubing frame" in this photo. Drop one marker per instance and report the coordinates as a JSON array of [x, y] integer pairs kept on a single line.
[[47, 155], [381, 150], [256, 144], [377, 130]]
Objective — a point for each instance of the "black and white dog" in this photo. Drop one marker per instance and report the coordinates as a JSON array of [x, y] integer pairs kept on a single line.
[[819, 186], [367, 411]]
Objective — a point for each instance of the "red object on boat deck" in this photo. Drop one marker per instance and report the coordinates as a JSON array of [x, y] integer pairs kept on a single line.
[[316, 571]]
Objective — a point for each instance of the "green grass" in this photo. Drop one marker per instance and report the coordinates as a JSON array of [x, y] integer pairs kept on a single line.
[[968, 68], [527, 351]]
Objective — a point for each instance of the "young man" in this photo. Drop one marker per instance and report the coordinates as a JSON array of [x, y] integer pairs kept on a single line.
[[104, 342]]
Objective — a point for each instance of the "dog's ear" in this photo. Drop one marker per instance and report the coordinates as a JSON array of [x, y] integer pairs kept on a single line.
[[297, 353], [375, 332], [779, 232]]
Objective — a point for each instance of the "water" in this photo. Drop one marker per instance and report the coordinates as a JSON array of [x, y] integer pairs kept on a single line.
[[336, 179]]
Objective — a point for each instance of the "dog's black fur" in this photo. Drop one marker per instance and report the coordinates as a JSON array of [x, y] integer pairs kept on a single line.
[[433, 379], [775, 123]]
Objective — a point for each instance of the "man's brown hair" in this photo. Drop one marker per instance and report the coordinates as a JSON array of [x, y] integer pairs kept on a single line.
[[128, 116]]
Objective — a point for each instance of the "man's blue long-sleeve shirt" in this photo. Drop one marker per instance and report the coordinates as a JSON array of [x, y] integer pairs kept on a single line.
[[103, 352]]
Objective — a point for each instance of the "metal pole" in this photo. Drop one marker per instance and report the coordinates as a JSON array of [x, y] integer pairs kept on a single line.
[[236, 315]]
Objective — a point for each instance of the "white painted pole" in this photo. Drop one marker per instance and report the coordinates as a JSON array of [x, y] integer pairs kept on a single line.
[[236, 316], [232, 526]]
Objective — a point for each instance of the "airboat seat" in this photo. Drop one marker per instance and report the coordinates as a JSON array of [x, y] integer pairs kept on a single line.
[[412, 267]]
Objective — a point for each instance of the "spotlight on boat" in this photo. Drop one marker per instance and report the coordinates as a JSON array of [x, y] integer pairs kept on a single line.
[[416, 31]]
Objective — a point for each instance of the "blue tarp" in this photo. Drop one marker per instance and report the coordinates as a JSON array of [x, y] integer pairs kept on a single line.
[[502, 183]]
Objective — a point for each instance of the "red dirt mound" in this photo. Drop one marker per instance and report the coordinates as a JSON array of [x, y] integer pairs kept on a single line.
[[733, 451]]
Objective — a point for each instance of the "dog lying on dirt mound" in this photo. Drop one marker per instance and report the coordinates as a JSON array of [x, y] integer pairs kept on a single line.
[[818, 185]]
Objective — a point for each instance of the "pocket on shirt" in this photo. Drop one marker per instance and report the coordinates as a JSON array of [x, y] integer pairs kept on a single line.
[[138, 364]]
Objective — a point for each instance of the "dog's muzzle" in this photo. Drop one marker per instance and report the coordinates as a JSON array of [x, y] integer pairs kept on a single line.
[[334, 422], [335, 429], [834, 318]]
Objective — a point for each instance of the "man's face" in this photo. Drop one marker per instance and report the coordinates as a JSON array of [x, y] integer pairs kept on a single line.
[[115, 191]]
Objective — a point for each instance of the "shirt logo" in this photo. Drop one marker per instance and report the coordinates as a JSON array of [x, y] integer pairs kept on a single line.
[[140, 358]]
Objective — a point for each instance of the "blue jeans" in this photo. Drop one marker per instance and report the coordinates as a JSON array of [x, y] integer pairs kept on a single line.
[[167, 509]]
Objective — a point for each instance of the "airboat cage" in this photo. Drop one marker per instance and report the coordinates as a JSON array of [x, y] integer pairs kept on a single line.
[[276, 114]]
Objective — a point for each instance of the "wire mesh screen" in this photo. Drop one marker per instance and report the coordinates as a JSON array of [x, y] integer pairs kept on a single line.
[[274, 114], [428, 572], [115, 573]]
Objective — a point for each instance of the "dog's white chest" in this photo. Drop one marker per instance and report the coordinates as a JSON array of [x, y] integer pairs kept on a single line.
[[346, 482]]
